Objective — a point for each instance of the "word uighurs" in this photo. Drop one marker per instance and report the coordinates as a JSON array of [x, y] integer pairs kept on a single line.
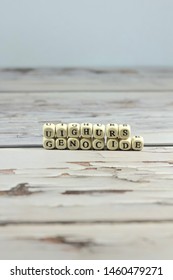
[[87, 136]]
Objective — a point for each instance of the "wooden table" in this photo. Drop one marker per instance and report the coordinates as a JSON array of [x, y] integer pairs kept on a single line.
[[86, 204]]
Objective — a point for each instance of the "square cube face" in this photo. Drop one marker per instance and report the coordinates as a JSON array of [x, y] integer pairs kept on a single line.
[[49, 130], [137, 143], [86, 130], [98, 131], [124, 131], [112, 130], [125, 144], [48, 144], [98, 144], [112, 144], [73, 130], [73, 143], [61, 143], [61, 130], [85, 144]]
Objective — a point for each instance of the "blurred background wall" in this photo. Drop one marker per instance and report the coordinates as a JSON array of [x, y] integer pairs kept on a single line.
[[83, 33]]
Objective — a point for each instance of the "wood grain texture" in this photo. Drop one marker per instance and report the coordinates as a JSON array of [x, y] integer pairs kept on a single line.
[[150, 114], [56, 197], [86, 204], [86, 79], [89, 241]]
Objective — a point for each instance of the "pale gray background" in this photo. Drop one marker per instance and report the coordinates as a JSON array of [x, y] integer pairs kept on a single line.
[[86, 33]]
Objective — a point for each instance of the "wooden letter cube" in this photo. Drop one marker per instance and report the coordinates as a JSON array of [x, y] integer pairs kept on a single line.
[[61, 130], [61, 143], [49, 130], [125, 144], [85, 144], [98, 131], [124, 131], [48, 144], [112, 130], [112, 144], [86, 130], [73, 143], [137, 143], [98, 144], [73, 130]]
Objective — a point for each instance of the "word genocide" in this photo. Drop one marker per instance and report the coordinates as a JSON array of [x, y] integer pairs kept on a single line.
[[87, 136]]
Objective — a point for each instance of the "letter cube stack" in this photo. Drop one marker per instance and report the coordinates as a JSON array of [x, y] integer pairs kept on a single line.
[[87, 136]]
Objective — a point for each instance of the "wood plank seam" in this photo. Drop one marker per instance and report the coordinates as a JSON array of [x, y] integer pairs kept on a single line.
[[40, 146]]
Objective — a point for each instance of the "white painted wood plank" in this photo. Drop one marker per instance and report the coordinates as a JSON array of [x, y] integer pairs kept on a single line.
[[40, 80], [22, 115], [86, 186], [104, 241], [41, 158]]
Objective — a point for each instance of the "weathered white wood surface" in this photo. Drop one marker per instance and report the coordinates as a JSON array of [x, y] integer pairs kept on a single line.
[[86, 79], [86, 204], [87, 241], [150, 114], [66, 204]]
